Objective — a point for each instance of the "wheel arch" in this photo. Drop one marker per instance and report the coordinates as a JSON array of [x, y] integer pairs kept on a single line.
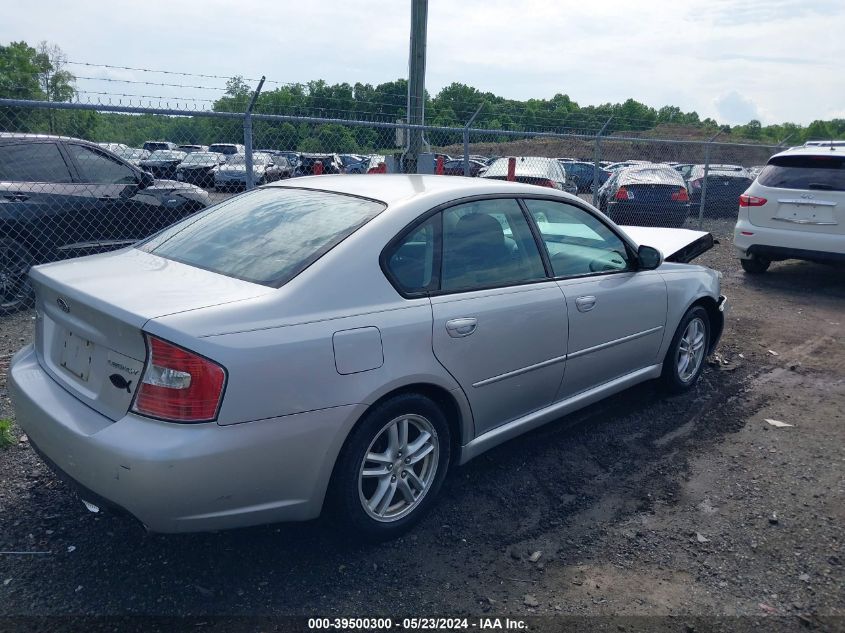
[[716, 318]]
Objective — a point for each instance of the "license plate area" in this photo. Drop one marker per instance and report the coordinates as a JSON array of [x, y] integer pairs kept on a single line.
[[76, 355]]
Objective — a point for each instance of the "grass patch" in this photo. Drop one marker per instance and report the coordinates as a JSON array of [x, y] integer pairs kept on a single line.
[[6, 437]]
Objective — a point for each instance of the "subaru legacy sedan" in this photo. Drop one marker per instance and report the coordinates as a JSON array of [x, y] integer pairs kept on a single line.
[[340, 342]]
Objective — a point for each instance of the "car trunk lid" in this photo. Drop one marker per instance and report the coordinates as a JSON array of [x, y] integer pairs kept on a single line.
[[90, 313]]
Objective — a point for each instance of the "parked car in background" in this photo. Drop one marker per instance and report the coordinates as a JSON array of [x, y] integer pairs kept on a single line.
[[232, 173], [725, 183], [152, 146], [162, 163], [292, 158], [645, 195], [684, 169], [64, 197], [193, 148], [339, 344], [331, 164], [582, 174], [795, 209], [532, 170], [133, 155], [198, 168], [227, 148], [117, 148], [455, 167], [626, 163]]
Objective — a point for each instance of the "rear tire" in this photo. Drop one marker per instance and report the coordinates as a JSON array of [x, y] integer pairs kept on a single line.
[[16, 291], [684, 360], [755, 265], [386, 478]]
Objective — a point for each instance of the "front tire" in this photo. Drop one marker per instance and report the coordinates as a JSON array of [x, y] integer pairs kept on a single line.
[[684, 361], [392, 467], [755, 265]]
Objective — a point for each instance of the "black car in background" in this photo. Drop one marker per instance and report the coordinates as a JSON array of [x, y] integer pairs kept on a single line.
[[162, 163], [64, 197], [198, 168], [725, 184], [645, 195], [227, 148], [582, 175], [331, 164]]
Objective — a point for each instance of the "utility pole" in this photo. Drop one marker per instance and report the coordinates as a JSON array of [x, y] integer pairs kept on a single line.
[[416, 82]]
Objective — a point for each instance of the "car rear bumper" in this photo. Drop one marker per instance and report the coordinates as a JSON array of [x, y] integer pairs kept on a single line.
[[778, 244], [181, 477], [648, 214]]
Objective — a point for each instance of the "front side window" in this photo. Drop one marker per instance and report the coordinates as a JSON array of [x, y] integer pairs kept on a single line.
[[98, 168], [32, 162], [577, 242], [267, 236], [488, 243]]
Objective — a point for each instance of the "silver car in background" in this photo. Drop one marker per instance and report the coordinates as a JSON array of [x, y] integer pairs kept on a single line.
[[340, 342]]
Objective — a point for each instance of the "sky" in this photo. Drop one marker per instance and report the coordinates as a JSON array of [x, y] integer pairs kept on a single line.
[[732, 60]]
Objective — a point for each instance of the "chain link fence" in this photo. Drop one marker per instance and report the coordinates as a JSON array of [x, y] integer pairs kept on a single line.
[[79, 178]]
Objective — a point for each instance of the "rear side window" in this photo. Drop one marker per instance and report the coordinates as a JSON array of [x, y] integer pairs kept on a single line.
[[33, 162], [825, 173], [267, 236]]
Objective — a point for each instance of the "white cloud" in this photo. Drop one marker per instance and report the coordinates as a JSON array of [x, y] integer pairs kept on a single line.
[[734, 108], [782, 55]]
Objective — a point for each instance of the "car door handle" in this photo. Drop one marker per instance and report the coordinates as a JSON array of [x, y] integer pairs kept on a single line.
[[461, 327], [16, 197], [585, 304]]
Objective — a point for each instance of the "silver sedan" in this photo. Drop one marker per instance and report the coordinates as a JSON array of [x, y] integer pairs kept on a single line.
[[342, 341]]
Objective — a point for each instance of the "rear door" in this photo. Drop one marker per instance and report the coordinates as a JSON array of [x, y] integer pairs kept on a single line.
[[39, 208], [616, 314], [803, 193], [500, 326]]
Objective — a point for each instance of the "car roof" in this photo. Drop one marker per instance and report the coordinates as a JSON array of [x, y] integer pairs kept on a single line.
[[394, 189], [814, 150]]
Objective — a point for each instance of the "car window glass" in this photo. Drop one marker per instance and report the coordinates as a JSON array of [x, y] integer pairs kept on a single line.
[[32, 162], [411, 261], [267, 236], [95, 167], [578, 243], [822, 173], [488, 243]]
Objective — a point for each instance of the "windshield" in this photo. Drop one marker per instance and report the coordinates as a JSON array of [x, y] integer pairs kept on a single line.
[[267, 236], [825, 173], [201, 158], [165, 154]]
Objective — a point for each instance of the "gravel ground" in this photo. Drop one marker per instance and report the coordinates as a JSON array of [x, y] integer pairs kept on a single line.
[[691, 506]]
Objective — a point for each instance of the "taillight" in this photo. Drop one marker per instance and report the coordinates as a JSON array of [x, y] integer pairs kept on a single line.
[[681, 195], [178, 385], [751, 201], [623, 194], [696, 184]]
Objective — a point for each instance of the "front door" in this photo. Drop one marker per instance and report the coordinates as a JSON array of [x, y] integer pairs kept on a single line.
[[616, 314]]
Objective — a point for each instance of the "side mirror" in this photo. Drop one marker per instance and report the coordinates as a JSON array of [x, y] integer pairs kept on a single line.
[[146, 180], [649, 258]]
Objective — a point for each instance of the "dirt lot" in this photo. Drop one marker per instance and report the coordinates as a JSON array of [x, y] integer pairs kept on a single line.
[[641, 505]]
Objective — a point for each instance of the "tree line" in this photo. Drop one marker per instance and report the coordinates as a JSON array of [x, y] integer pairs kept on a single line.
[[40, 73]]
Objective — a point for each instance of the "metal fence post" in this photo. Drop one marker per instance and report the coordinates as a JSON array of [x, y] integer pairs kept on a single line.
[[250, 177], [466, 139], [706, 173], [596, 159]]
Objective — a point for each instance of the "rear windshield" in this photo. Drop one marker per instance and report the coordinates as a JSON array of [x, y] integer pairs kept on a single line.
[[267, 236], [825, 173]]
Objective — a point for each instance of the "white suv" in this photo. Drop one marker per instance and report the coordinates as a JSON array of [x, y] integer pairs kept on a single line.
[[794, 210]]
